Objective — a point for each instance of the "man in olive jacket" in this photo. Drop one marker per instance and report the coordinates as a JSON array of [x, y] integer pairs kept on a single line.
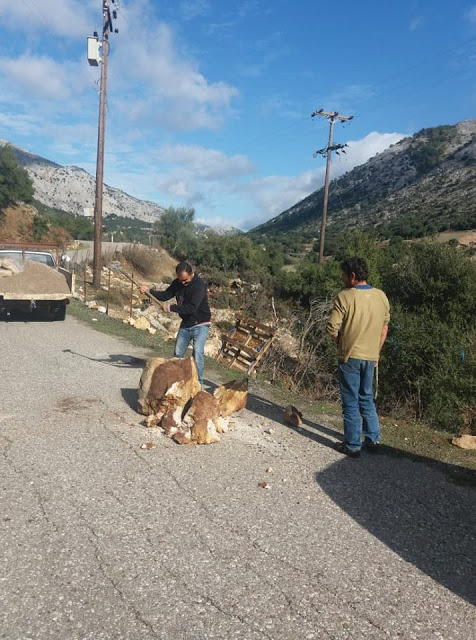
[[192, 306], [359, 325]]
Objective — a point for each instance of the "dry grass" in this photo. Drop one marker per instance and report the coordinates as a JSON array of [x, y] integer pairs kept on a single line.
[[16, 224], [154, 263], [142, 259]]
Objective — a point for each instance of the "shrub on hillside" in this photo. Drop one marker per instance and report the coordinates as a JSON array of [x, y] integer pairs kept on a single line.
[[428, 370], [435, 278], [144, 260], [15, 183]]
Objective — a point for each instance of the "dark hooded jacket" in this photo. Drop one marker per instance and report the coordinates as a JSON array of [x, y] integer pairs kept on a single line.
[[192, 301]]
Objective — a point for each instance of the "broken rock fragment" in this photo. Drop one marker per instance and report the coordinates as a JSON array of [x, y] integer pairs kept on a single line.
[[232, 396], [165, 388], [465, 442], [293, 416], [148, 445], [199, 424]]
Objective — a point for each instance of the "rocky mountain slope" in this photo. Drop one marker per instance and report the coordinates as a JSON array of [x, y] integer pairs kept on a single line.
[[72, 189], [422, 184]]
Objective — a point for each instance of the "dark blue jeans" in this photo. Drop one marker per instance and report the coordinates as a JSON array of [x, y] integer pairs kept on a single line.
[[358, 406], [198, 336]]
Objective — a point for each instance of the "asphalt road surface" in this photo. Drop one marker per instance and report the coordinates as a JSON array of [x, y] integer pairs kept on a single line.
[[100, 539]]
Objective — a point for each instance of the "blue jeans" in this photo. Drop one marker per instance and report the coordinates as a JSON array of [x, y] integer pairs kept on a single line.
[[199, 336], [358, 406]]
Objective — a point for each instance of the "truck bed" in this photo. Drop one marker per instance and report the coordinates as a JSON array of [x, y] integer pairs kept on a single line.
[[36, 282]]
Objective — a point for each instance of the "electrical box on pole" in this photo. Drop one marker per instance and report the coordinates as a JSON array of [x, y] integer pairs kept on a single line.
[[94, 46]]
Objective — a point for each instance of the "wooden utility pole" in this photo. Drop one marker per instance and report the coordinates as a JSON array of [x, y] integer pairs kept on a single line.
[[327, 151], [97, 255]]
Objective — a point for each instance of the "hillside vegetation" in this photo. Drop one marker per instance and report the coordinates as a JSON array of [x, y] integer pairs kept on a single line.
[[417, 187], [15, 183], [428, 368]]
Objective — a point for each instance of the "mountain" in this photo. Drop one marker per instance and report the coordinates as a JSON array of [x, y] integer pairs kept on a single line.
[[420, 185], [72, 189]]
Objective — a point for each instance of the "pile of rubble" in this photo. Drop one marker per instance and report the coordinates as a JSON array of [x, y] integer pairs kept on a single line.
[[33, 278]]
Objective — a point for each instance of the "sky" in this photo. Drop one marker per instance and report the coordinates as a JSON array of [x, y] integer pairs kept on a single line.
[[209, 103]]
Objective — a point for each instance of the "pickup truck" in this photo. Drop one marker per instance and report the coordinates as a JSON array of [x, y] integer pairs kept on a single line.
[[32, 281]]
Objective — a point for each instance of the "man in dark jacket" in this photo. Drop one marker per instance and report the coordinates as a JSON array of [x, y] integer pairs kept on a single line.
[[192, 306]]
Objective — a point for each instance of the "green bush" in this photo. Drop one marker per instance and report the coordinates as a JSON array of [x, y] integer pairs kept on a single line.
[[437, 279], [15, 183], [40, 227], [428, 370]]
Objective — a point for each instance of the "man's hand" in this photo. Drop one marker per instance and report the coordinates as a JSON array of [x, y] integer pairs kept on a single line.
[[143, 289], [165, 307]]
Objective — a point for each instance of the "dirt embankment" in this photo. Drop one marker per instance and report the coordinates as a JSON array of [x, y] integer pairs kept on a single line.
[[16, 224]]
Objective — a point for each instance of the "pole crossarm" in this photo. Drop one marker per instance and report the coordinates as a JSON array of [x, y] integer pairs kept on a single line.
[[334, 147], [335, 115]]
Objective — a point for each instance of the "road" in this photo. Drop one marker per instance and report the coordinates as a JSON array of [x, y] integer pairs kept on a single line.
[[100, 539], [78, 256]]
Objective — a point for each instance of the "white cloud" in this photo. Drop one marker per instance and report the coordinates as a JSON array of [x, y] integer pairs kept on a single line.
[[204, 164], [165, 85], [274, 194], [18, 124], [360, 151], [41, 76], [67, 18], [198, 173]]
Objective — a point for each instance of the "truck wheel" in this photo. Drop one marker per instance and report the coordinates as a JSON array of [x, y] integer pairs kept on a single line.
[[61, 313]]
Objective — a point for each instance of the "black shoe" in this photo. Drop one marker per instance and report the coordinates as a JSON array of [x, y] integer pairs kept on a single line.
[[371, 447], [341, 447]]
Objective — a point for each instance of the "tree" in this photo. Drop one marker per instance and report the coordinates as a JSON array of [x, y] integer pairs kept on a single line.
[[175, 228], [15, 183]]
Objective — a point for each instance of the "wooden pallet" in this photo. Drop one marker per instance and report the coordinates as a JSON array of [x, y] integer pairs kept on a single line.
[[244, 346]]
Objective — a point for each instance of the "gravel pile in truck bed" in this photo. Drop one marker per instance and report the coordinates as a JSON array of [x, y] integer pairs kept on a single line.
[[36, 278]]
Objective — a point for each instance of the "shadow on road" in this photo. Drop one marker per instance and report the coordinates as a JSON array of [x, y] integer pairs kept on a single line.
[[114, 360], [429, 524], [130, 397], [272, 411], [25, 317], [393, 495], [309, 429]]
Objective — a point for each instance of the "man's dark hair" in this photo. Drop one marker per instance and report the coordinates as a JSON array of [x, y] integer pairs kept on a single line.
[[355, 265], [184, 267]]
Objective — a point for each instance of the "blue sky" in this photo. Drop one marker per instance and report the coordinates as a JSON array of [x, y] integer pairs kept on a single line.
[[209, 102]]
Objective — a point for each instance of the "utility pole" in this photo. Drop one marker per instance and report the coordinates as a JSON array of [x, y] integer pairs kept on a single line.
[[94, 60], [327, 151]]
